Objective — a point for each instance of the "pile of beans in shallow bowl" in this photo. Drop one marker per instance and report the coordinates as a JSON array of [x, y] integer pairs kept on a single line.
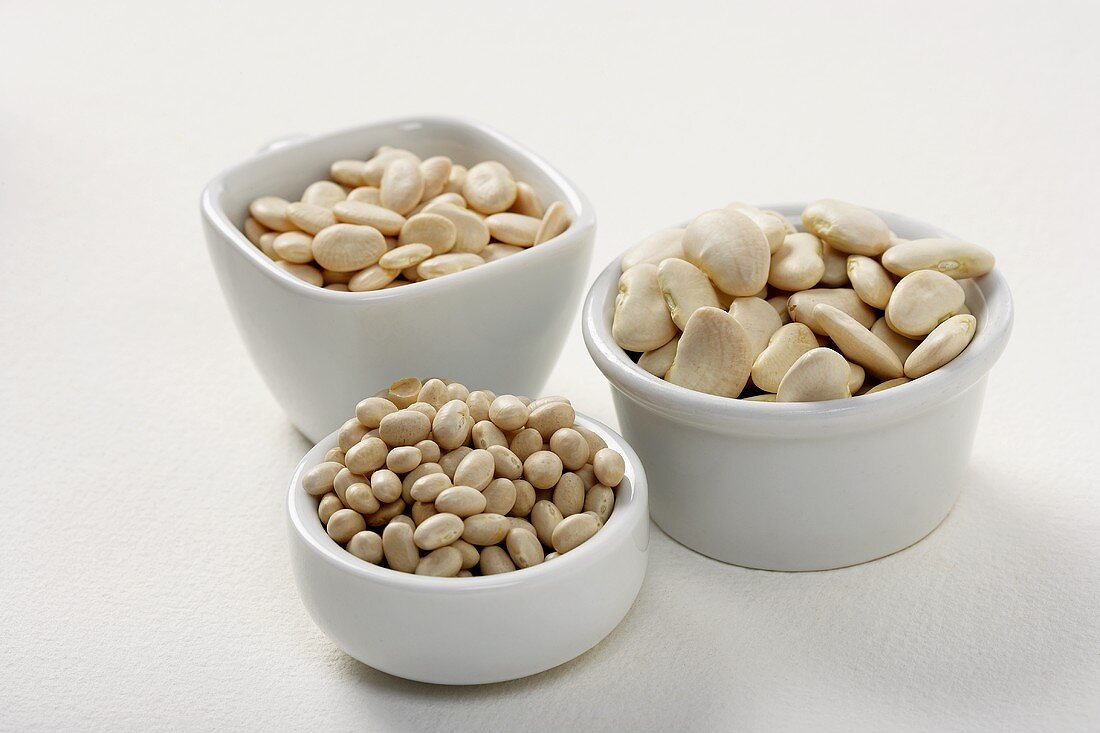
[[742, 304], [431, 478], [394, 219]]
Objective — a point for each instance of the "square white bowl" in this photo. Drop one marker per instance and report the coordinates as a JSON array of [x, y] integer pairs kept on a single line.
[[810, 485], [320, 351], [467, 631]]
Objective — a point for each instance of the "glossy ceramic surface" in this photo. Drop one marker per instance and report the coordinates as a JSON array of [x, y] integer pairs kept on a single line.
[[465, 631], [806, 486], [320, 351]]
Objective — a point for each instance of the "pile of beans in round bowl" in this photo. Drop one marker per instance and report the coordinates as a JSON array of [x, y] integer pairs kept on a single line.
[[741, 304], [395, 219], [431, 478]]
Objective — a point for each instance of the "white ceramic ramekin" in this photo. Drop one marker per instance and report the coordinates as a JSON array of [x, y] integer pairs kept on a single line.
[[467, 631], [319, 350], [806, 486]]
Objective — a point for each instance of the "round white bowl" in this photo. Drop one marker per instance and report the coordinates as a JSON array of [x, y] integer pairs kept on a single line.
[[804, 486], [318, 350], [469, 631]]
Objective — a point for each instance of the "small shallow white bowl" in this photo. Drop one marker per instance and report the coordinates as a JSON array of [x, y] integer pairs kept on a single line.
[[469, 631], [807, 486], [318, 350]]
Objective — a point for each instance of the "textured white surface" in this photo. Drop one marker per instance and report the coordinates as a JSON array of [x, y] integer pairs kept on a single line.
[[143, 562]]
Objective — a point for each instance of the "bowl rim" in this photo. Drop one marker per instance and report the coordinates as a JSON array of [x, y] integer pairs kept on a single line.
[[307, 528], [584, 217], [800, 419]]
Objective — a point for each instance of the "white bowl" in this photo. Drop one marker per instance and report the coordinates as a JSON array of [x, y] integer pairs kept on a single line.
[[319, 350], [468, 631], [806, 486]]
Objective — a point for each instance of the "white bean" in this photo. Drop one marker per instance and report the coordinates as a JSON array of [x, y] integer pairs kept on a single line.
[[946, 341], [923, 300], [730, 249]]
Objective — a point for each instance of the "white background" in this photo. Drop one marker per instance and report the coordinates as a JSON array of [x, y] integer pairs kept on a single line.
[[145, 580]]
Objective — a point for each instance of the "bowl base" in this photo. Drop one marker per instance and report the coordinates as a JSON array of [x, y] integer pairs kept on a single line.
[[824, 568]]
